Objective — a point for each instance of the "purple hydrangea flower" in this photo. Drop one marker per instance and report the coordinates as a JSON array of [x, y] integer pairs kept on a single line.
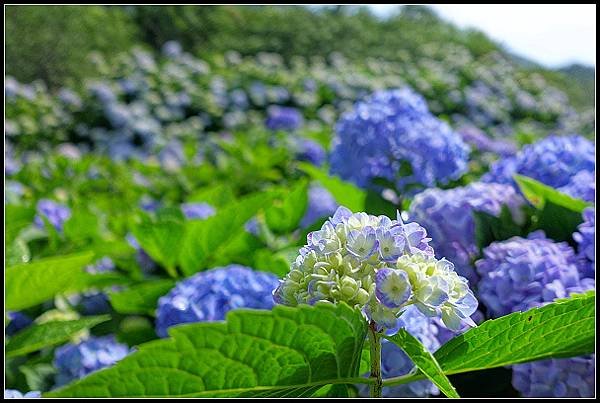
[[311, 151], [553, 161], [481, 142], [55, 213], [198, 211], [392, 135], [172, 49], [522, 272], [566, 377], [209, 295], [74, 361], [283, 118], [585, 243], [18, 321], [448, 217], [394, 362], [321, 204], [15, 394], [582, 186]]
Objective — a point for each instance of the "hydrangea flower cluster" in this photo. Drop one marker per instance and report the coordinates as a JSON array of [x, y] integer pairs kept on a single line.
[[321, 204], [283, 118], [380, 265], [74, 361], [522, 272], [392, 135], [554, 161], [395, 362], [55, 213], [585, 243], [15, 394], [309, 150], [198, 211], [566, 377], [209, 295], [448, 216], [582, 186], [18, 321]]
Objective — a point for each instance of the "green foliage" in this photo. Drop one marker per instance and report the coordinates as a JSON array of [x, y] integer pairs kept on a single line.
[[286, 352], [161, 240], [285, 215], [424, 360], [346, 194], [52, 43], [48, 334], [539, 194], [30, 284], [489, 228], [140, 298]]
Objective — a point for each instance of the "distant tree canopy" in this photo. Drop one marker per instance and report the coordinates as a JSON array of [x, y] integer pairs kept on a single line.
[[52, 42]]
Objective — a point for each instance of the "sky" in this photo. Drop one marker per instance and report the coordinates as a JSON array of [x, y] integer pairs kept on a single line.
[[553, 35]]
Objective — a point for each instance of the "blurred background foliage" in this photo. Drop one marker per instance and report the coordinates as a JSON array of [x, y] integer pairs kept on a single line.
[[54, 43]]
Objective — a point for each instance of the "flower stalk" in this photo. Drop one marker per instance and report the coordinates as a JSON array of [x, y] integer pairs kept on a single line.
[[375, 355]]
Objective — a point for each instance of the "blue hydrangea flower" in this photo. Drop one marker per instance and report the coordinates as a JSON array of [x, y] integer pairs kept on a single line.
[[482, 143], [55, 213], [209, 295], [74, 361], [553, 161], [172, 49], [585, 243], [283, 118], [392, 135], [199, 211], [104, 265], [311, 151], [448, 217], [394, 362], [522, 272], [321, 204], [18, 321], [566, 377], [15, 394], [582, 186]]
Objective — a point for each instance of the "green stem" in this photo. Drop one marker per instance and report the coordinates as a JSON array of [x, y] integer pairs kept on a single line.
[[375, 344]]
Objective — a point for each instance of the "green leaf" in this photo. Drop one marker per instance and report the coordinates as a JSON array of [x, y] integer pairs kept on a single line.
[[424, 360], [489, 228], [17, 218], [286, 352], [33, 283], [564, 328], [81, 225], [538, 194], [346, 194], [216, 195], [203, 239], [162, 241], [48, 334], [268, 261], [558, 222], [377, 205], [140, 298], [285, 215], [561, 329]]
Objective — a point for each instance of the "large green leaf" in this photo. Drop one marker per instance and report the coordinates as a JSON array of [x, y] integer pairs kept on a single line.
[[140, 298], [17, 217], [424, 360], [33, 283], [564, 328], [48, 334], [489, 228], [346, 194], [162, 241], [558, 222], [285, 214], [538, 194], [217, 195], [203, 239], [286, 352]]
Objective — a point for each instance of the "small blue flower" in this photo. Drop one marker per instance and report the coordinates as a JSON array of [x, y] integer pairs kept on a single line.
[[391, 246], [392, 287], [199, 211], [209, 295], [311, 151], [18, 321], [321, 204], [362, 243], [15, 394], [283, 118], [55, 213], [74, 361]]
